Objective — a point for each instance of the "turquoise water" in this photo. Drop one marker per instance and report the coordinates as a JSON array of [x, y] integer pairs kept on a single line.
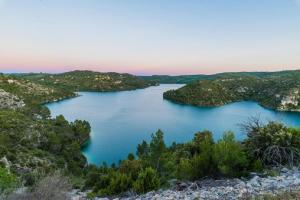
[[121, 120]]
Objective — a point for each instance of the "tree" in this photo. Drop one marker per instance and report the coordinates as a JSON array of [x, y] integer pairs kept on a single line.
[[229, 156], [157, 148], [130, 157], [143, 149], [82, 130]]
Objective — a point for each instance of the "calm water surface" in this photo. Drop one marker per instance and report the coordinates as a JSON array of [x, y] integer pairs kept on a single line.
[[121, 120]]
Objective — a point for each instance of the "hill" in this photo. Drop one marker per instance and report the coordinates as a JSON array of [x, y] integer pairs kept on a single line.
[[31, 143], [183, 79], [276, 91], [89, 81]]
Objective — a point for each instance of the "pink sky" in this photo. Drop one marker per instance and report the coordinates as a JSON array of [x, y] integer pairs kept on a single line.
[[149, 37]]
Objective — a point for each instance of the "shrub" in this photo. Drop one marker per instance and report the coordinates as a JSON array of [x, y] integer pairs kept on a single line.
[[48, 188], [8, 181], [229, 156], [185, 169], [119, 183], [147, 180], [131, 167], [274, 144]]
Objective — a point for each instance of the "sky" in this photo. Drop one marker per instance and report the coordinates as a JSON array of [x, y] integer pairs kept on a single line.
[[149, 36]]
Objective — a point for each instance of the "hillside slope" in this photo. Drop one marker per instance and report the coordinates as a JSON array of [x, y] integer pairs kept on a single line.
[[89, 81], [29, 92], [32, 144], [276, 92]]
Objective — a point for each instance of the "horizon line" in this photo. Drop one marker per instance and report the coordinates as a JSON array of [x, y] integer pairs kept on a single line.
[[137, 74]]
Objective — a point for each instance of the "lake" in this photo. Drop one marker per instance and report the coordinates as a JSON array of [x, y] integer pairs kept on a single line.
[[121, 120]]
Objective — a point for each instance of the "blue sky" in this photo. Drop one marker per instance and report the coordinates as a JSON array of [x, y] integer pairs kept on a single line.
[[149, 36]]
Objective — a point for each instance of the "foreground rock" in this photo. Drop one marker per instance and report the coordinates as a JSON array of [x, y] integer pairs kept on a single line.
[[286, 181]]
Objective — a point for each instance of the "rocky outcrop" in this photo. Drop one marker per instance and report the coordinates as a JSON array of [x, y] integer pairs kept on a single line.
[[229, 189], [10, 101]]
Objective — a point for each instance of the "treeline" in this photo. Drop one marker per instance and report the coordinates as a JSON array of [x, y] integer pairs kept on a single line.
[[184, 79], [270, 145]]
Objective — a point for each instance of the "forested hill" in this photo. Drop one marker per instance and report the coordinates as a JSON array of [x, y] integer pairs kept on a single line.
[[89, 81], [31, 143], [16, 91], [277, 91], [183, 79]]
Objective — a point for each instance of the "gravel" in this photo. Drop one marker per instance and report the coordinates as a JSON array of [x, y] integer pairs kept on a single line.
[[227, 189]]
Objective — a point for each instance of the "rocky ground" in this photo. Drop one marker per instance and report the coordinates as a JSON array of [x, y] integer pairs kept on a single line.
[[10, 101], [257, 186]]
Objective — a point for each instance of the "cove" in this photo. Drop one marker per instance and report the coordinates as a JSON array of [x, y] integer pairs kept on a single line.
[[121, 120]]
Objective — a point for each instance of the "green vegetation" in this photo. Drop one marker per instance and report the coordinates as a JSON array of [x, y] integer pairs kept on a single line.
[[8, 181], [184, 79], [89, 81], [202, 157], [33, 146], [32, 94], [274, 144], [294, 194], [276, 92]]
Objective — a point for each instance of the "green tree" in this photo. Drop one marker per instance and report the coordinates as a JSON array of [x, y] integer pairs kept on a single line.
[[202, 160], [143, 149], [130, 157], [82, 130], [229, 156], [157, 148]]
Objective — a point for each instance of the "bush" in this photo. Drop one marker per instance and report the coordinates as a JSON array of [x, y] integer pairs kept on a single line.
[[185, 169], [230, 157], [274, 144], [8, 181], [131, 167], [147, 180], [48, 188], [119, 183]]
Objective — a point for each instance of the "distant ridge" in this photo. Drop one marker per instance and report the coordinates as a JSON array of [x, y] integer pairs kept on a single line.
[[182, 79]]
